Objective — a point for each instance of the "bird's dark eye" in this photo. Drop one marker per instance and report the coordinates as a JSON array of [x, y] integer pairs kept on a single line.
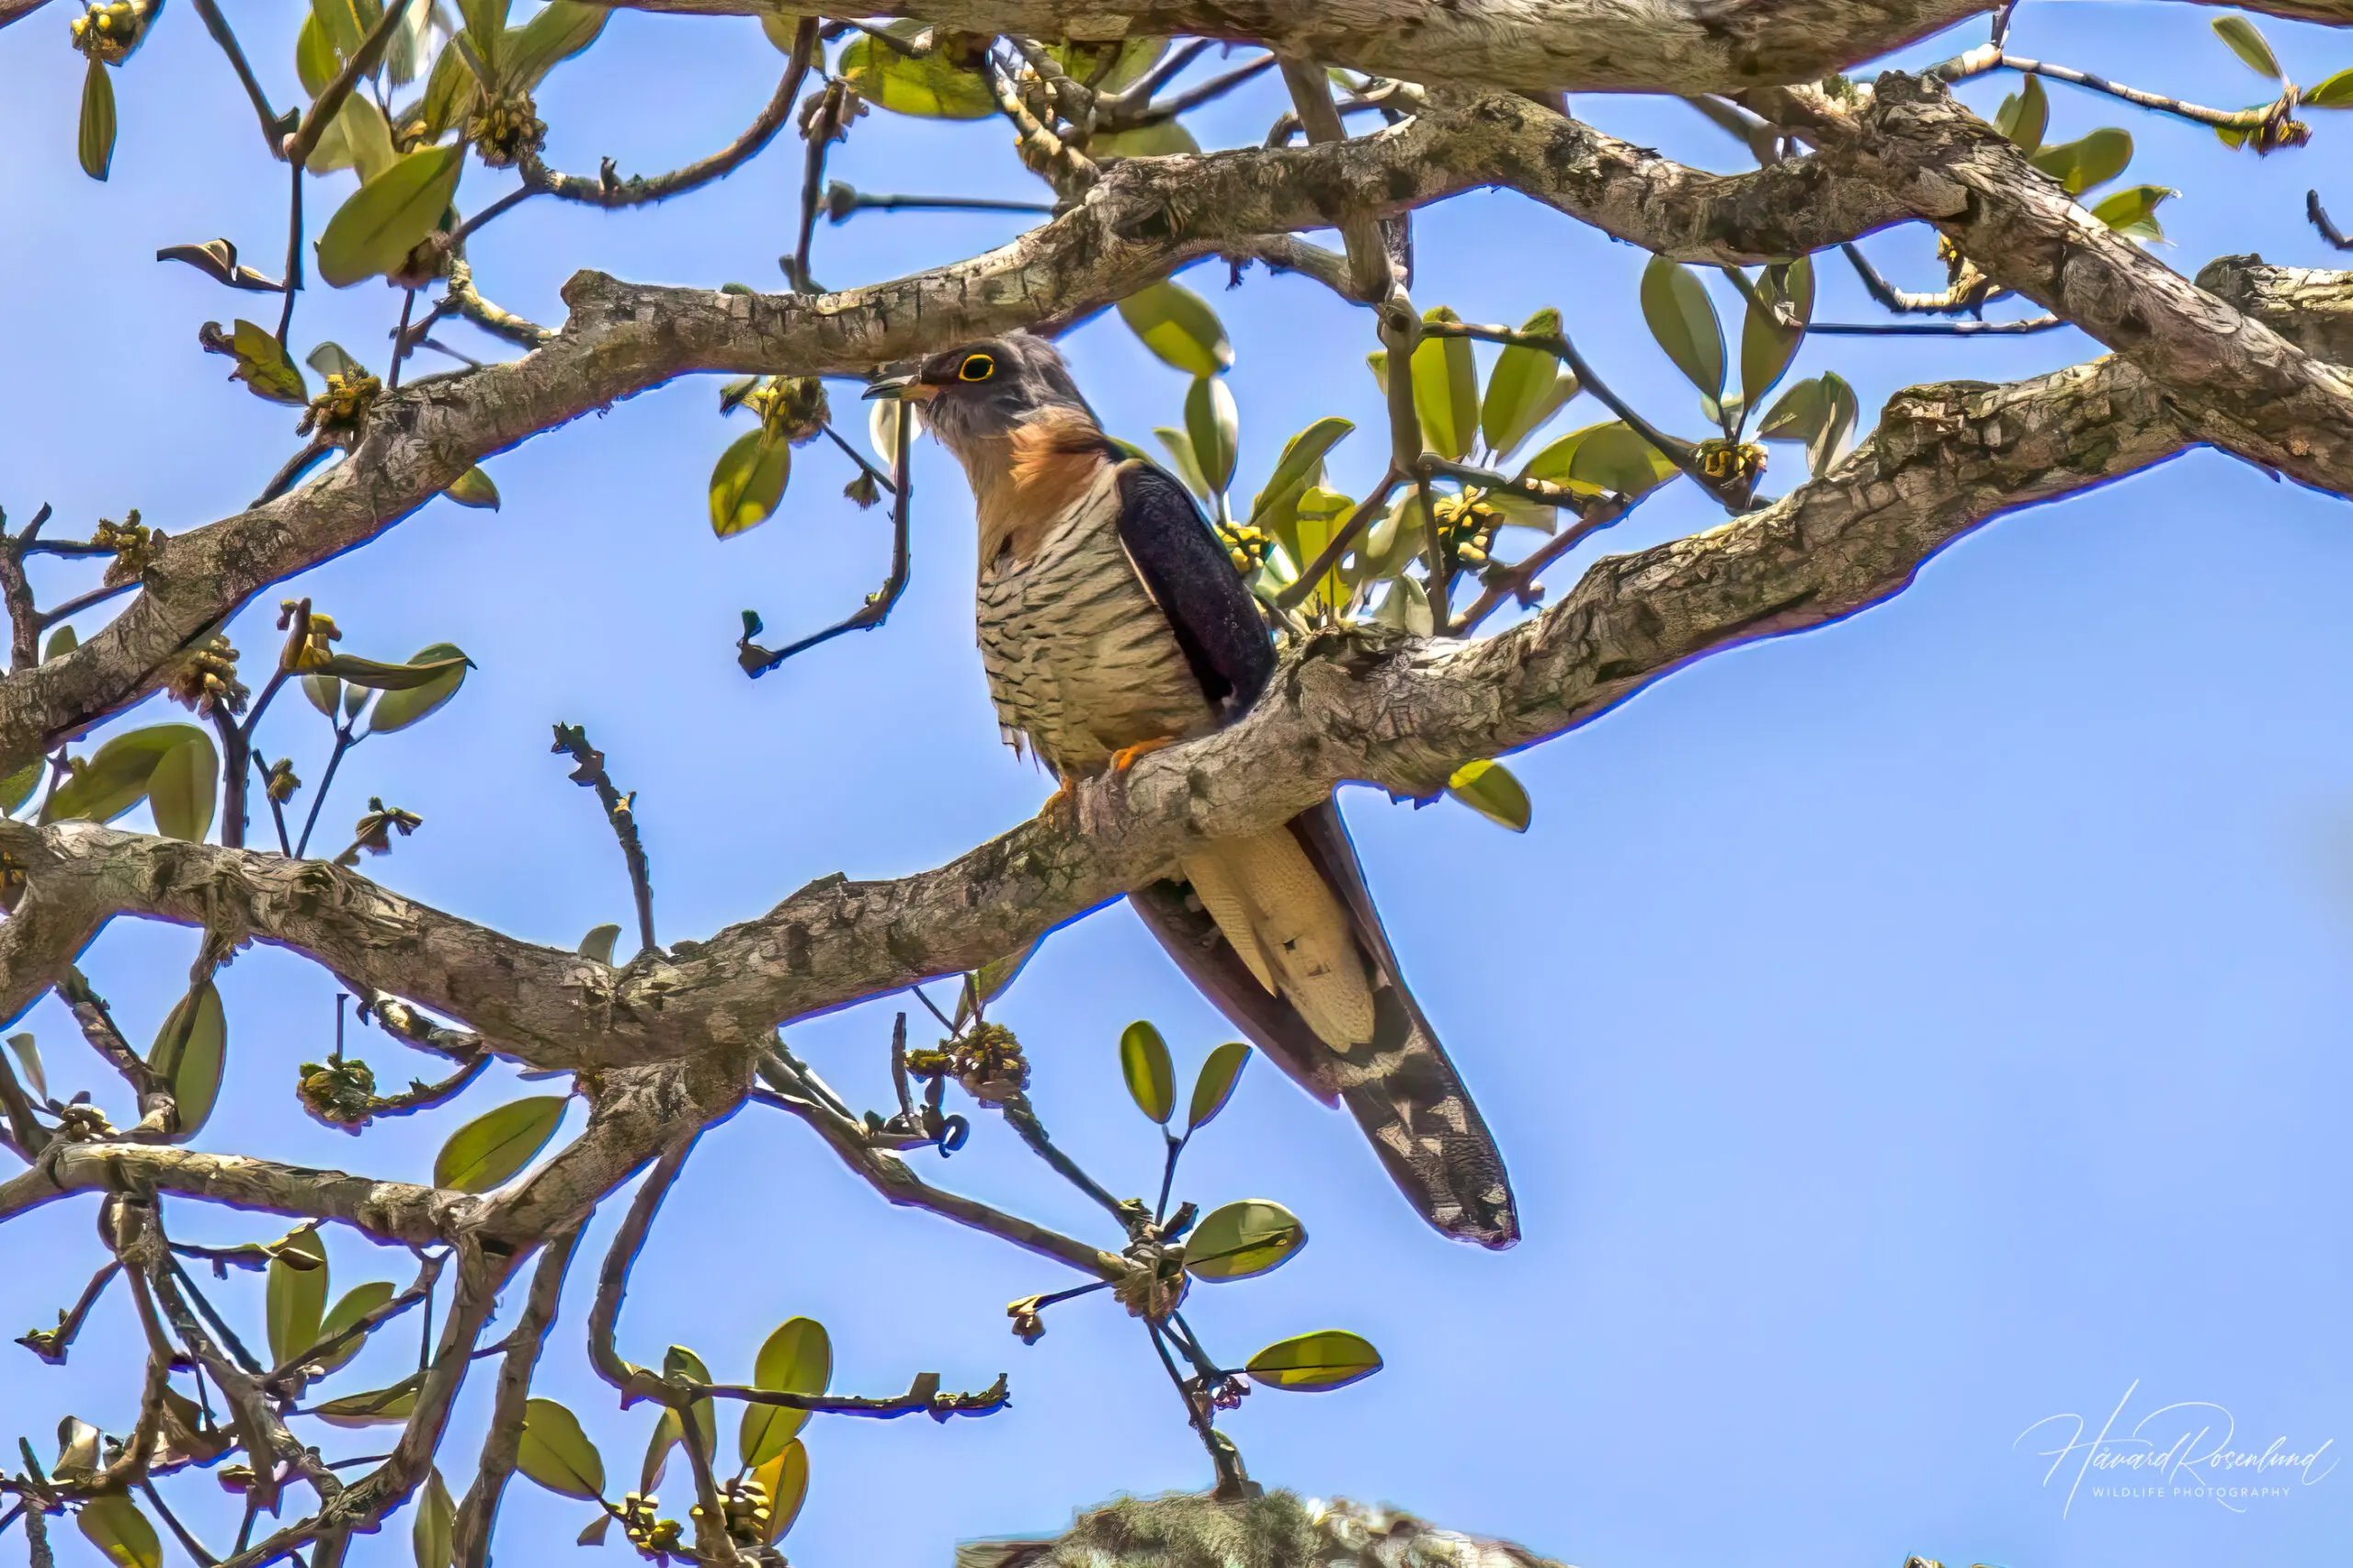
[[976, 367]]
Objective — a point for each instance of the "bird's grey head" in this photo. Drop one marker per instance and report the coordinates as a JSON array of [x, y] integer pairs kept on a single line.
[[988, 389]]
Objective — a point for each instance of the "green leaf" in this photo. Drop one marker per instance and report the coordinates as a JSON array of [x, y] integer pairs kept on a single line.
[[593, 1532], [474, 488], [379, 1407], [785, 1479], [1298, 467], [1406, 607], [599, 943], [1797, 414], [2025, 115], [486, 28], [1676, 307], [451, 93], [96, 144], [353, 1305], [1108, 67], [2133, 211], [1829, 443], [989, 981], [378, 676], [315, 58], [437, 1516], [401, 706], [2248, 43], [1160, 139], [1214, 426], [1527, 387], [193, 1066], [1180, 461], [561, 29], [1178, 325], [2087, 160], [28, 1064], [487, 1151], [342, 25], [2335, 92], [1316, 521], [932, 87], [1241, 1240], [1330, 1358], [1152, 1077], [1608, 457], [183, 787], [557, 1454], [405, 56], [61, 641], [116, 1527], [331, 358], [797, 1358], [680, 1362], [263, 366], [1446, 391], [1770, 337], [356, 138], [296, 1299], [356, 697], [1489, 789], [326, 693], [373, 232], [1215, 1084], [18, 788], [749, 481], [668, 1433]]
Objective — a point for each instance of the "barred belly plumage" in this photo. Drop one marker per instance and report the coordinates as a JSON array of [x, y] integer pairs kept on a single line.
[[1080, 660]]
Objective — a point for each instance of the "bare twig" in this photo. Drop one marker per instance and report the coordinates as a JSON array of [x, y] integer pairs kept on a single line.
[[51, 1345], [479, 1512], [1972, 293], [2319, 216], [757, 661], [621, 812], [2225, 118], [275, 127], [1937, 328]]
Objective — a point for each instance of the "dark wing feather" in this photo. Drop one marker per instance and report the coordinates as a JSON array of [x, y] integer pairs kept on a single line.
[[1193, 580]]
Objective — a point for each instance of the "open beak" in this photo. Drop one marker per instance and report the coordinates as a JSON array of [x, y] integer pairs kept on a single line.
[[904, 389]]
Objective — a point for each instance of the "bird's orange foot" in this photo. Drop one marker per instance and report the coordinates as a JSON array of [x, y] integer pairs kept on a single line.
[[1062, 800], [1125, 757]]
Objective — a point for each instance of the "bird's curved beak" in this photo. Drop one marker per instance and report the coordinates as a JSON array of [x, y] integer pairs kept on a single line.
[[902, 389]]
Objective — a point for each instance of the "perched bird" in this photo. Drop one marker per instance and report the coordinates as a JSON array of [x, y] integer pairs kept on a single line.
[[1111, 622]]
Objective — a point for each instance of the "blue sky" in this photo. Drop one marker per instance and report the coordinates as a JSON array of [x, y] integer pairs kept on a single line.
[[1900, 1034]]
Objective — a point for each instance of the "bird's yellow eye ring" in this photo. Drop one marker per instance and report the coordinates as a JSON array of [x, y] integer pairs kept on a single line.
[[976, 367]]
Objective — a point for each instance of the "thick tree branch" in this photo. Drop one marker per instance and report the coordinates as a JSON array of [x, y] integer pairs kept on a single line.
[[384, 1210]]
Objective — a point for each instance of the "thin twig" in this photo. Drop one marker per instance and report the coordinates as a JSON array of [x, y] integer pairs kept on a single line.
[[1936, 328], [757, 661], [2319, 216], [1023, 1118], [274, 126], [1518, 581], [2225, 118], [621, 811], [329, 103], [1974, 292], [293, 274], [479, 1513]]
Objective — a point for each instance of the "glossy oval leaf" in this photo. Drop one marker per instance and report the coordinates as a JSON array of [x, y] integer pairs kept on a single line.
[[1446, 391], [931, 87], [1527, 387], [1179, 326], [1160, 139], [785, 1479], [1152, 1077], [1213, 427], [748, 481], [184, 789], [1241, 1240], [668, 1433], [2087, 160], [2248, 43], [557, 1454], [474, 488], [1829, 442], [353, 1305], [372, 232], [1489, 789], [1797, 413], [1770, 337], [326, 693], [61, 641], [2025, 115], [1215, 1084], [599, 943], [1677, 309], [315, 64], [295, 1301], [379, 1407], [437, 1519], [95, 141], [379, 677], [1297, 469], [115, 776], [489, 1150], [2133, 211], [400, 708], [1330, 1358], [797, 1358], [561, 30], [116, 1527], [2332, 92], [192, 1057]]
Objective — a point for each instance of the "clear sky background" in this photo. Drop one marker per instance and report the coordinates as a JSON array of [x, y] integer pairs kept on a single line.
[[1900, 1033]]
